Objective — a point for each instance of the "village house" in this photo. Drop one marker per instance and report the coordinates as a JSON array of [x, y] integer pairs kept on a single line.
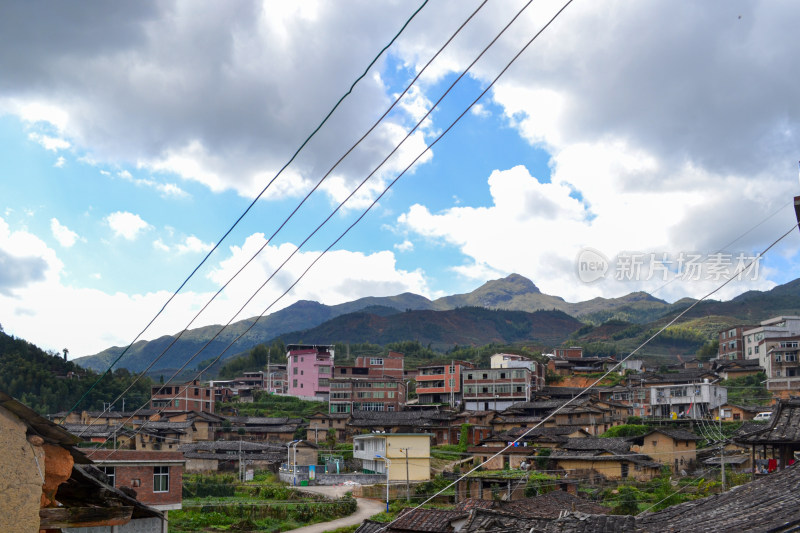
[[156, 477], [674, 447], [309, 370], [391, 365], [225, 455], [778, 442], [609, 459], [694, 400], [441, 383], [438, 424], [118, 435], [259, 428], [738, 413], [184, 397], [508, 360], [731, 343], [47, 484], [496, 388], [408, 455], [320, 424], [736, 369], [348, 394]]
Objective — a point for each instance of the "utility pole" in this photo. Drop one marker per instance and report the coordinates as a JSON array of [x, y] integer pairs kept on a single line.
[[722, 447], [269, 376], [408, 484]]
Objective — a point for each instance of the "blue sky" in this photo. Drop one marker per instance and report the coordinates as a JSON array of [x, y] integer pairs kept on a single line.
[[132, 136]]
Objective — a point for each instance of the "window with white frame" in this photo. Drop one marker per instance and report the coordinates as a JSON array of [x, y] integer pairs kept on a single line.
[[110, 473], [160, 479], [376, 361]]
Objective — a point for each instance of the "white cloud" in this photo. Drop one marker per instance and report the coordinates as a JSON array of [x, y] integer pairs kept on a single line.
[[193, 245], [225, 121], [405, 246], [60, 162], [126, 225], [69, 310], [65, 236], [52, 144], [158, 244], [538, 229]]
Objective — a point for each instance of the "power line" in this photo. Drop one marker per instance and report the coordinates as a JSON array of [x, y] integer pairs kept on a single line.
[[585, 389], [249, 207], [302, 202], [375, 201]]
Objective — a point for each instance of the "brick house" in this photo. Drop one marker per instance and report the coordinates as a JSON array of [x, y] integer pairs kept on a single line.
[[184, 397], [157, 477]]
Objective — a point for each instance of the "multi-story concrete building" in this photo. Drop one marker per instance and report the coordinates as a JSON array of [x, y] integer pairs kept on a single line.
[[309, 370], [496, 388], [772, 343], [769, 332], [441, 383], [731, 343], [693, 400], [408, 454], [509, 360], [366, 394], [783, 367], [184, 397]]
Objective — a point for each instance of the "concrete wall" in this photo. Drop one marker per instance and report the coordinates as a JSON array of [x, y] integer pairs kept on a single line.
[[20, 484]]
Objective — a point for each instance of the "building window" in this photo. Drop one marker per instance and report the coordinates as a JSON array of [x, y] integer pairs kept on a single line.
[[110, 474], [294, 371], [294, 383], [136, 483], [160, 479], [376, 361], [777, 358]]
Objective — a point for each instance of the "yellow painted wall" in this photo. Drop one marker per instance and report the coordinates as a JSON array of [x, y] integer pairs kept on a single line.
[[666, 450], [612, 470], [419, 457]]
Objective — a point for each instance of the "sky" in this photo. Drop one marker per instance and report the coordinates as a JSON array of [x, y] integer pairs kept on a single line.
[[633, 146]]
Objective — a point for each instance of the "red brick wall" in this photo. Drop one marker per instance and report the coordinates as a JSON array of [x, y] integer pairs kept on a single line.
[[125, 476]]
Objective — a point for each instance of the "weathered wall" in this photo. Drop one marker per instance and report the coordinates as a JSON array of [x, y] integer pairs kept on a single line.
[[20, 483]]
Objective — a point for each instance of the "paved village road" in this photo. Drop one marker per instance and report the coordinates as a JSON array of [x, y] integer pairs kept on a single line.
[[366, 508]]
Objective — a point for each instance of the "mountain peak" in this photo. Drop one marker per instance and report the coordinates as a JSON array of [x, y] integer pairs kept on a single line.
[[515, 283]]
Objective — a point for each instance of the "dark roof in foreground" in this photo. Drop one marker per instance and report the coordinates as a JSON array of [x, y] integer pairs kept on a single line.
[[771, 503], [551, 505], [427, 520], [783, 427]]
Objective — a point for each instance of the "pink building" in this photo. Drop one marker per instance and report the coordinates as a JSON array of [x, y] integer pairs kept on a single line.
[[309, 368]]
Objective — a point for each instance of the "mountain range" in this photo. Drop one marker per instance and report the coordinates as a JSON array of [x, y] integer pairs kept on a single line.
[[511, 310]]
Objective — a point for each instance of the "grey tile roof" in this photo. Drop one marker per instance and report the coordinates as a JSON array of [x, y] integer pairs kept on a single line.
[[612, 444], [771, 503], [551, 505], [370, 526], [427, 520], [230, 445], [783, 427], [675, 433]]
